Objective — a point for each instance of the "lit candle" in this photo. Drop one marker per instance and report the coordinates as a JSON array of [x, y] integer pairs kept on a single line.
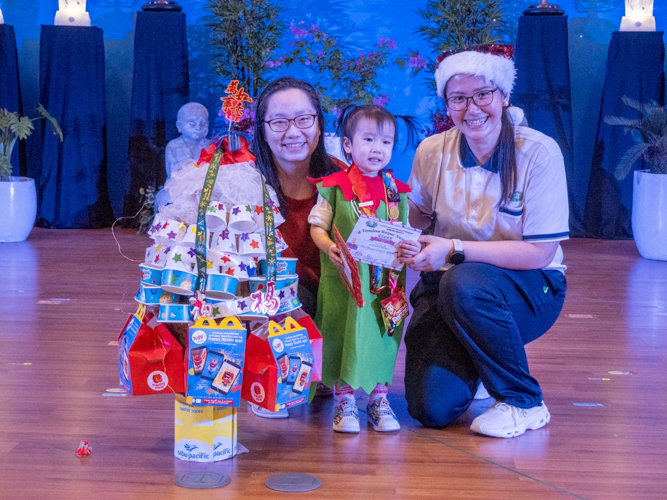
[[2, 19], [638, 16]]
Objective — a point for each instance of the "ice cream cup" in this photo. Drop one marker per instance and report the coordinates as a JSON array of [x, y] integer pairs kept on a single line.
[[216, 216], [240, 219]]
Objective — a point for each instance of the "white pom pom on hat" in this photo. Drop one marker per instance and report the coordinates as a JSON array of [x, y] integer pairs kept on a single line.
[[496, 68]]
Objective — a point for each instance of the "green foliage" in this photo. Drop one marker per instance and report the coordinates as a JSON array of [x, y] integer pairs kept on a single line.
[[244, 33], [14, 127], [455, 24], [341, 79], [649, 132]]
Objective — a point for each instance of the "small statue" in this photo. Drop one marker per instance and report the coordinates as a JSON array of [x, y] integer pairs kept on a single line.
[[192, 123]]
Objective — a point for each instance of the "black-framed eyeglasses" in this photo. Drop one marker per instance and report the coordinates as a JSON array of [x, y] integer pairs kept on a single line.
[[282, 124], [461, 102]]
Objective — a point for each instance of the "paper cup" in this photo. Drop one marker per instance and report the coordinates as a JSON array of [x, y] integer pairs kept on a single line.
[[285, 266], [171, 232], [179, 282], [158, 222], [251, 244], [156, 255], [190, 238], [216, 216], [226, 242], [259, 282], [181, 258], [240, 219], [174, 313], [151, 276]]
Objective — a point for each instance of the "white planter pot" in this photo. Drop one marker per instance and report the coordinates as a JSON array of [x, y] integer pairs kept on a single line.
[[649, 214], [18, 209]]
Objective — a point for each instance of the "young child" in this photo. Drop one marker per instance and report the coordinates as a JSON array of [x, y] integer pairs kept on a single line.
[[358, 350]]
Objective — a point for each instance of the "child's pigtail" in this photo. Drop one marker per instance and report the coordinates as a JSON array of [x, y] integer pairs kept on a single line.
[[412, 129], [340, 128]]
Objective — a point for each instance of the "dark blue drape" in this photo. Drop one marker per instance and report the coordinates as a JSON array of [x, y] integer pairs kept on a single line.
[[542, 90], [635, 68], [10, 90], [160, 88], [73, 183]]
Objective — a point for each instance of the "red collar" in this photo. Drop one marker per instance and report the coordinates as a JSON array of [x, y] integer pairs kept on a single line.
[[352, 182]]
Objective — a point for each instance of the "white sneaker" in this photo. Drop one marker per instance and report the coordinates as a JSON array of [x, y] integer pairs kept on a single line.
[[503, 420], [381, 416], [481, 393], [346, 415], [264, 413]]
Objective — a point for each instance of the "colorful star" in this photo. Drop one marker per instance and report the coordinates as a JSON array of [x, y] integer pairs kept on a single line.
[[281, 295], [164, 226], [174, 279], [242, 266], [248, 208], [270, 202], [213, 209], [167, 250], [153, 228], [293, 292], [158, 247], [254, 244], [225, 259], [216, 311], [182, 226], [192, 252], [157, 259], [236, 210], [230, 271], [209, 264], [244, 237], [259, 210], [241, 305], [276, 210], [177, 257], [171, 235], [224, 235]]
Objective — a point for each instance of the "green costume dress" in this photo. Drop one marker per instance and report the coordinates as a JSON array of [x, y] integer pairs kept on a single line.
[[356, 347]]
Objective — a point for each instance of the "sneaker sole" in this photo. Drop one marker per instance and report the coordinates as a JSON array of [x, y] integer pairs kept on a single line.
[[347, 431], [533, 426]]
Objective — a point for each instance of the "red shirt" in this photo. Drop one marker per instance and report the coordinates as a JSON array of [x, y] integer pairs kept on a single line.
[[296, 232]]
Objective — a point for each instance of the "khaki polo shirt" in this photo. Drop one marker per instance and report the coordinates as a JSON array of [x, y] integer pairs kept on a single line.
[[447, 180]]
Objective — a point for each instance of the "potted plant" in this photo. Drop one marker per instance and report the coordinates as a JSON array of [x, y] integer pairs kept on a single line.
[[18, 198], [649, 195]]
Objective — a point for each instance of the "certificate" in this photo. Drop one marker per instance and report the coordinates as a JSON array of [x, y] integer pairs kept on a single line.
[[373, 241]]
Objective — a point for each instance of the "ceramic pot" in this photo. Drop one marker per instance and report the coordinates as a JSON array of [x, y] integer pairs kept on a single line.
[[18, 206], [649, 214]]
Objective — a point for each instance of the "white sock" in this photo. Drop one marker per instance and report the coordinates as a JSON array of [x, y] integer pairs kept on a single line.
[[343, 391], [380, 391]]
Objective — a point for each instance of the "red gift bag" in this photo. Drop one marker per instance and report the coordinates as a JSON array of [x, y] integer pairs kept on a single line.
[[150, 359]]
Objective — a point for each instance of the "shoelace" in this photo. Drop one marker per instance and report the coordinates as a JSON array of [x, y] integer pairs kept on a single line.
[[508, 408]]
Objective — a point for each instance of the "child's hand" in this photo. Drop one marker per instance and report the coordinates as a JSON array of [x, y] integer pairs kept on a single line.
[[407, 249], [334, 254]]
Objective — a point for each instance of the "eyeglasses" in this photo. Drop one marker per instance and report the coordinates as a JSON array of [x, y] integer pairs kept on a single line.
[[461, 102], [282, 124]]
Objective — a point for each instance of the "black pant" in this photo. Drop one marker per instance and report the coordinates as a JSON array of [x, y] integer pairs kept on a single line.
[[472, 322]]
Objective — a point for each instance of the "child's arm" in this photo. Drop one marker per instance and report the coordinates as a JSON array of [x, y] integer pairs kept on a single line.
[[324, 243]]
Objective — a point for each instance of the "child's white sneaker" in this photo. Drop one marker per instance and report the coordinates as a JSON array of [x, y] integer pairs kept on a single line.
[[503, 420], [346, 415], [382, 416]]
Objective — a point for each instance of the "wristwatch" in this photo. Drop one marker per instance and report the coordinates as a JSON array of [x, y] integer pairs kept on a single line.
[[456, 256]]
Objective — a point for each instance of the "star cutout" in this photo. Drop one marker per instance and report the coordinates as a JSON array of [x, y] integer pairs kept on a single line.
[[254, 244], [181, 226], [236, 210], [171, 235], [259, 210], [244, 237], [216, 311], [248, 208], [157, 259], [209, 264], [167, 250], [241, 305], [158, 247], [225, 259], [270, 202], [174, 279], [281, 295], [177, 257], [224, 235], [230, 271], [293, 292], [164, 226], [192, 252], [153, 228], [212, 209], [242, 266], [276, 210]]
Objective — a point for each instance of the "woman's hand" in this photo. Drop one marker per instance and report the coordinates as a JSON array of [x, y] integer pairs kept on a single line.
[[334, 255], [432, 257]]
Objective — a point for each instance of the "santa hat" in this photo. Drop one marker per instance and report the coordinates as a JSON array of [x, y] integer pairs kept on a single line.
[[493, 62]]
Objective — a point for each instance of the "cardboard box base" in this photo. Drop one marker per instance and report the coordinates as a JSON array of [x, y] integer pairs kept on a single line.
[[204, 433]]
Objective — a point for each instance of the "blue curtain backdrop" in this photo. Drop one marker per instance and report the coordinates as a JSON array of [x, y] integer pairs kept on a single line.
[[73, 183], [542, 89], [10, 91], [159, 89], [635, 68]]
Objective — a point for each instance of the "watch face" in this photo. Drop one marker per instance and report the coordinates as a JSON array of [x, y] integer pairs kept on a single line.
[[457, 258]]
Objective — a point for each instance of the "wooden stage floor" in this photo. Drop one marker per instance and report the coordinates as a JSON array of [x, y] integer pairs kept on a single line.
[[602, 369]]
